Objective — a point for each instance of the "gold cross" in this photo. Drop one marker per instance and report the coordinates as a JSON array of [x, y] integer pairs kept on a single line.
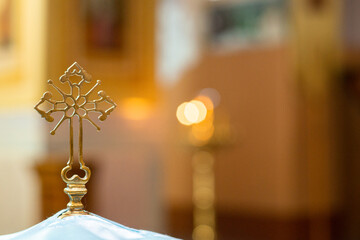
[[75, 103]]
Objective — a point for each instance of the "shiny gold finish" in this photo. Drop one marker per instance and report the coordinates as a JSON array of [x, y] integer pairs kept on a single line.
[[75, 103]]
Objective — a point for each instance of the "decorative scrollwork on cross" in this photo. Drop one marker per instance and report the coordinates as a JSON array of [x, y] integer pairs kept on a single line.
[[75, 103]]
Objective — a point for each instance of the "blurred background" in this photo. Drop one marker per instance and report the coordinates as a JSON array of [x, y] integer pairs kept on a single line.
[[234, 120]]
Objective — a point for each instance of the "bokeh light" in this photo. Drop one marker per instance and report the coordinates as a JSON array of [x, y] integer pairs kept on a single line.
[[212, 94], [135, 108], [191, 112], [206, 101], [180, 114], [201, 108], [201, 133]]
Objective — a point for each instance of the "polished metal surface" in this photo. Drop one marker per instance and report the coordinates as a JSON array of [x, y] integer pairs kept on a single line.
[[75, 104]]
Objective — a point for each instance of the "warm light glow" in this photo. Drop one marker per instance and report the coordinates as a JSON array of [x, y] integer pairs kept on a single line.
[[212, 94], [135, 108], [180, 114], [191, 112], [201, 109], [206, 101], [201, 134]]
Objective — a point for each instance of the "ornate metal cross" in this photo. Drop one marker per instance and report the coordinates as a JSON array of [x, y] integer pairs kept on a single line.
[[75, 103]]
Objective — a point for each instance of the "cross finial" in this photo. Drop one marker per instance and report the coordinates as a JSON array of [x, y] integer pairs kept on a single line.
[[75, 103]]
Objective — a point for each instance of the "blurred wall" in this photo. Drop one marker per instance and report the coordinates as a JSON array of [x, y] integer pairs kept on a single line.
[[281, 175], [22, 139]]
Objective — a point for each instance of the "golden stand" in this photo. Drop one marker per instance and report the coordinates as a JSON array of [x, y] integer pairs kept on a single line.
[[204, 195]]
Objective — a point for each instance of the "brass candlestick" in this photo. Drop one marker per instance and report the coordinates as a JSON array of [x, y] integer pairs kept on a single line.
[[205, 136], [75, 103]]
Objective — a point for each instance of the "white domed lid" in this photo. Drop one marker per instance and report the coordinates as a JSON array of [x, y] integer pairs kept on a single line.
[[89, 227]]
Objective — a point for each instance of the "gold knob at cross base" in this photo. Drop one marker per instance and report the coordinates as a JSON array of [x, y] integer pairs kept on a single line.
[[75, 103]]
